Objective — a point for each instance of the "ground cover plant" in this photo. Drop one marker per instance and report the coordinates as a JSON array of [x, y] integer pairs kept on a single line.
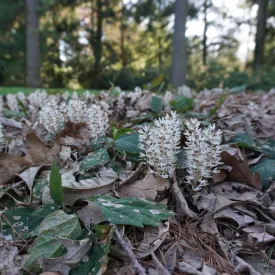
[[137, 182]]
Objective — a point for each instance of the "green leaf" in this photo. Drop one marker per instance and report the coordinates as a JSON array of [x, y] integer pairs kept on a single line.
[[243, 140], [56, 190], [95, 159], [267, 146], [101, 142], [156, 105], [218, 104], [128, 143], [98, 254], [182, 104], [45, 245], [155, 82], [132, 211], [23, 107], [24, 221], [266, 169], [118, 132]]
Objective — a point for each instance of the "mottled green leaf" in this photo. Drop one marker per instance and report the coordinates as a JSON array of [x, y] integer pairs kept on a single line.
[[46, 245], [182, 104], [243, 140], [128, 143], [95, 159], [118, 132], [132, 211], [266, 169], [156, 105], [97, 257], [24, 221]]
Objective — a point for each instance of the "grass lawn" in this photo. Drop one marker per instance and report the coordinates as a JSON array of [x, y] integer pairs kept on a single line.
[[14, 90]]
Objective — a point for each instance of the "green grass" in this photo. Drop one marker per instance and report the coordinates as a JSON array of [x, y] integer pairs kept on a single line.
[[14, 90]]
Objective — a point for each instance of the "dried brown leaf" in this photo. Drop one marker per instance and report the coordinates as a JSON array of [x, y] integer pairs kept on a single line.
[[241, 171], [91, 213], [147, 188], [11, 165], [39, 152]]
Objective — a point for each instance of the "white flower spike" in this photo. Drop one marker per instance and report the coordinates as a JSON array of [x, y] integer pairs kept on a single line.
[[98, 121], [160, 144], [1, 134], [202, 153]]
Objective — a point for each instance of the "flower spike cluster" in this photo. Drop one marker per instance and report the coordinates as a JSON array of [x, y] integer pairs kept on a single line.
[[160, 144], [202, 153], [1, 134], [98, 121], [77, 111], [51, 118]]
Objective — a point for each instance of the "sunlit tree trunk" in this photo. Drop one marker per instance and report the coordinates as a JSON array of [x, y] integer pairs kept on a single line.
[[260, 35], [32, 43], [179, 62]]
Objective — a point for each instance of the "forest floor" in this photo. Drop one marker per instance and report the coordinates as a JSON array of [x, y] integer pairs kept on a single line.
[[73, 204]]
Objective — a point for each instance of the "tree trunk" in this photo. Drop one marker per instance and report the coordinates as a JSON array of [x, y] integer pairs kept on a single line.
[[260, 34], [204, 40], [32, 43], [179, 66], [97, 41]]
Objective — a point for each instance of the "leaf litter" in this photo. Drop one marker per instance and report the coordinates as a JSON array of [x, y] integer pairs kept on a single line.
[[105, 201]]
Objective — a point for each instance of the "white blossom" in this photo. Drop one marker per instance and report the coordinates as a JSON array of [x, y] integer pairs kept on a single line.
[[168, 97], [12, 102], [160, 144], [75, 96], [37, 98], [77, 111], [65, 96], [202, 153], [1, 134], [98, 121], [51, 118], [65, 153]]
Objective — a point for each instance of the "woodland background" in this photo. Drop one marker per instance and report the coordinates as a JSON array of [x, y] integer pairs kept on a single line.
[[80, 44]]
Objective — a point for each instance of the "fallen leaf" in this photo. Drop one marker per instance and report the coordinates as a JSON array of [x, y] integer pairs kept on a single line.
[[29, 175], [89, 187], [39, 152], [218, 177], [147, 188], [91, 213], [76, 250], [259, 233], [241, 171], [10, 122], [10, 166], [10, 262]]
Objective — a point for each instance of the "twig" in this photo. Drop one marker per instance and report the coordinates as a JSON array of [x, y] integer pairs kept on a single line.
[[182, 208], [159, 265], [132, 176], [126, 247]]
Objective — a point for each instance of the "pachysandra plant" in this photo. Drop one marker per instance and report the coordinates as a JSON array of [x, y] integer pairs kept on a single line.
[[160, 144], [77, 111], [12, 102], [1, 134], [37, 98], [203, 149], [98, 121], [51, 118], [65, 153]]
